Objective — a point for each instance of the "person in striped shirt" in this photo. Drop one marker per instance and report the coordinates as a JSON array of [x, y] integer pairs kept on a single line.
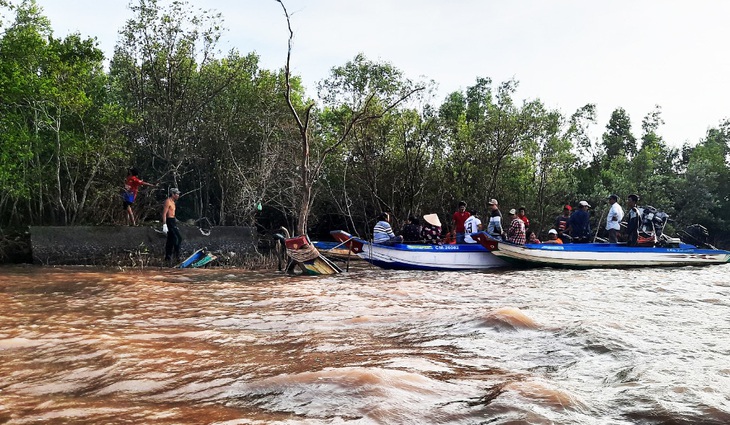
[[383, 233]]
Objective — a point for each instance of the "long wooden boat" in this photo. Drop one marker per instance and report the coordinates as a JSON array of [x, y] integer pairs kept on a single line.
[[411, 256], [302, 253], [590, 255]]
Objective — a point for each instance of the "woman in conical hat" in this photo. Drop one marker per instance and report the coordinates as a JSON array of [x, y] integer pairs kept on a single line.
[[432, 219], [431, 231]]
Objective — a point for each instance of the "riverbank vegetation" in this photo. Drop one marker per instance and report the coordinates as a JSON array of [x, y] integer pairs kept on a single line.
[[219, 126]]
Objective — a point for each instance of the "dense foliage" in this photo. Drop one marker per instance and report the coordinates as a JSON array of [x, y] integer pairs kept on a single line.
[[218, 127]]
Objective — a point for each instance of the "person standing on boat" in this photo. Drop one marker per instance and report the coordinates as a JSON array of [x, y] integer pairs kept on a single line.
[[494, 227], [613, 219], [459, 219], [472, 225], [169, 226], [561, 222], [633, 220], [579, 223], [516, 231], [383, 233], [431, 230], [412, 230], [523, 217]]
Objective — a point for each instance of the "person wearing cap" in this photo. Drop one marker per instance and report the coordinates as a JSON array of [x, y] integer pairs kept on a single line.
[[412, 230], [383, 233], [553, 237], [516, 230], [633, 220], [169, 226], [459, 218], [613, 219], [579, 223], [561, 222], [472, 225], [431, 230], [494, 226]]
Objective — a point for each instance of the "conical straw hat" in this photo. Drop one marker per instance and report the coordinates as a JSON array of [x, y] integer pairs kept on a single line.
[[432, 219]]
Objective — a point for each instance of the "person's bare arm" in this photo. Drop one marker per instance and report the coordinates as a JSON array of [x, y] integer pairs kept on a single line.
[[164, 211]]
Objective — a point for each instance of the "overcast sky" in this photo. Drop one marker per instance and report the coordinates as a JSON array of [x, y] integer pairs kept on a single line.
[[633, 54]]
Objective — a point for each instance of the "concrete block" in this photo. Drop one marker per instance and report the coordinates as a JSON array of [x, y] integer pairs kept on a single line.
[[96, 244]]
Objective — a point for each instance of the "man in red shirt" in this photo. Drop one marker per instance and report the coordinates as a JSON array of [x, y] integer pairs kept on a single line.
[[460, 217], [131, 186]]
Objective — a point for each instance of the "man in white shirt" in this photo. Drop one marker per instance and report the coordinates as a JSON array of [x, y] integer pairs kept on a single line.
[[613, 219], [472, 225]]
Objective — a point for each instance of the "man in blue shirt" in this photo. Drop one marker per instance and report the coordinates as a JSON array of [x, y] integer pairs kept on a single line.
[[579, 223]]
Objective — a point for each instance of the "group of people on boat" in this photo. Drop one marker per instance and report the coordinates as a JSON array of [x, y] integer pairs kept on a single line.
[[413, 230], [575, 226], [572, 226]]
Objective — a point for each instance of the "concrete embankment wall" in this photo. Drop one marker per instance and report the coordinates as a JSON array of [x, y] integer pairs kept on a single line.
[[104, 244]]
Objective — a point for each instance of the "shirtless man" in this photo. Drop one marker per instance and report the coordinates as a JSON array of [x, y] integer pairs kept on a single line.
[[169, 226]]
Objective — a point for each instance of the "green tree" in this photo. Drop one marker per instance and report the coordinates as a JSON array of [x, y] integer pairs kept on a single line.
[[155, 70], [554, 179], [53, 95], [652, 169], [618, 140], [365, 92], [246, 137], [704, 190], [492, 144], [22, 56]]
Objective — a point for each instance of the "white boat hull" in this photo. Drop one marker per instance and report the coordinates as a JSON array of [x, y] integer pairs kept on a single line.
[[430, 257], [609, 255]]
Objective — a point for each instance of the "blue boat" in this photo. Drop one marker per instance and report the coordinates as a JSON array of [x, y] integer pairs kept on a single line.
[[590, 255], [196, 256], [204, 260], [414, 256]]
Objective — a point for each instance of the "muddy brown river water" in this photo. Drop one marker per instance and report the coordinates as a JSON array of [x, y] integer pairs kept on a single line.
[[222, 346]]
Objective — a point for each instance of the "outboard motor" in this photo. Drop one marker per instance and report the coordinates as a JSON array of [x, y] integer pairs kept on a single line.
[[653, 220], [647, 218], [660, 220], [699, 233], [652, 225]]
